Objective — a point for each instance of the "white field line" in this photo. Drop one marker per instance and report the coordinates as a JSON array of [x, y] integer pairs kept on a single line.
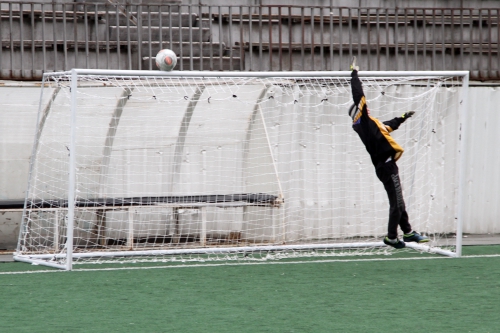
[[250, 263]]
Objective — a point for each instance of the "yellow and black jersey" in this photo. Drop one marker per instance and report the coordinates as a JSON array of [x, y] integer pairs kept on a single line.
[[373, 133]]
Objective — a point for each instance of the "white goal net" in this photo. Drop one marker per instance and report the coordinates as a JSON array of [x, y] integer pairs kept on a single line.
[[176, 167]]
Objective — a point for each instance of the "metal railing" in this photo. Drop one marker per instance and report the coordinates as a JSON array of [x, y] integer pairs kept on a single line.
[[44, 37]]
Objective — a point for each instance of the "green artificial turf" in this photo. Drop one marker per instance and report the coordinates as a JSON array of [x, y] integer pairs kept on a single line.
[[429, 295]]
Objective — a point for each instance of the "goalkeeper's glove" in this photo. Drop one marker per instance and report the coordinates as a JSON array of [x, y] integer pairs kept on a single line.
[[353, 65], [408, 114]]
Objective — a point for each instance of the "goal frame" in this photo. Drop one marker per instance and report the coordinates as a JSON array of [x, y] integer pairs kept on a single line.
[[74, 73]]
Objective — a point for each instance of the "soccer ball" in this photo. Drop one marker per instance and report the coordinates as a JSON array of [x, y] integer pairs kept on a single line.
[[166, 60]]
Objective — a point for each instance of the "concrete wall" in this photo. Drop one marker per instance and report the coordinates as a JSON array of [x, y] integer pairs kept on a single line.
[[19, 106], [18, 116], [482, 202]]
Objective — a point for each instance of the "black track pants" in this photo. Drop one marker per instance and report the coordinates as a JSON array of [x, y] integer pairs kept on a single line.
[[388, 173]]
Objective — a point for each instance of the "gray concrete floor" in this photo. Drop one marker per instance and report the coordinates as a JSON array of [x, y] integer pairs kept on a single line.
[[467, 240]]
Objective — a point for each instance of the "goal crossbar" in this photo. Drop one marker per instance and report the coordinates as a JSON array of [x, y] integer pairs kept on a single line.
[[189, 74]]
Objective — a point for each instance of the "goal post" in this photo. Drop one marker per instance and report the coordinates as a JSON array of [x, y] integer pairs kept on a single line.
[[150, 166]]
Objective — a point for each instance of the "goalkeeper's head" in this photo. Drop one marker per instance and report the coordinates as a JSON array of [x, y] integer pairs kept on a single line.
[[354, 112]]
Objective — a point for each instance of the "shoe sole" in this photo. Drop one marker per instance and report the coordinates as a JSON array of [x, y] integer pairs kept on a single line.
[[421, 241], [397, 248], [392, 245]]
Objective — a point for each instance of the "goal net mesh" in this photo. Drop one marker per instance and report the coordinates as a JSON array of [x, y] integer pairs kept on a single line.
[[173, 168]]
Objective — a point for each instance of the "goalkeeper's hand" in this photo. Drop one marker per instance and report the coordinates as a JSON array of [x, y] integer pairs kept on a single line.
[[408, 114], [353, 65]]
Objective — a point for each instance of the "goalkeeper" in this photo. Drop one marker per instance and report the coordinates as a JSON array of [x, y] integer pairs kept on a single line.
[[384, 153]]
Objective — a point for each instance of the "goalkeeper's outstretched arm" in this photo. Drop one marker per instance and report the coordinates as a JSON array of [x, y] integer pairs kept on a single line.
[[393, 124], [358, 95], [359, 109]]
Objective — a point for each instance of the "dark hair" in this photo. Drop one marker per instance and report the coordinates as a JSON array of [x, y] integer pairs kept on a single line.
[[353, 111]]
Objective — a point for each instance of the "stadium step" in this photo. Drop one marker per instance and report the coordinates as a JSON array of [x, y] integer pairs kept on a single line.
[[365, 19], [147, 48], [214, 64], [156, 19], [122, 5], [112, 17], [154, 33], [193, 48], [455, 48]]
